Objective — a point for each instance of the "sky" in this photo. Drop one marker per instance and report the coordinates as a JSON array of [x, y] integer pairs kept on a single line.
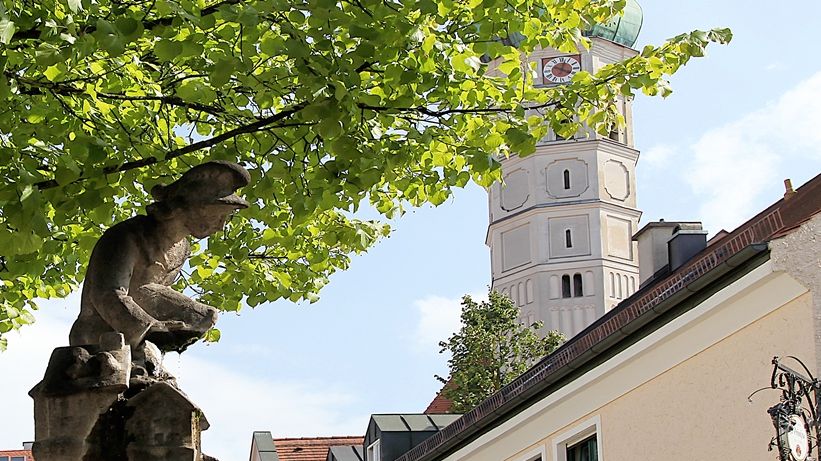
[[740, 121]]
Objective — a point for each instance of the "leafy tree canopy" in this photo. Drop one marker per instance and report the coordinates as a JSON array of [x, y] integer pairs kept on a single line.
[[490, 350], [329, 103]]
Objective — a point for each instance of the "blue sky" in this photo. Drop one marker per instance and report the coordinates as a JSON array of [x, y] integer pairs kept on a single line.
[[740, 121]]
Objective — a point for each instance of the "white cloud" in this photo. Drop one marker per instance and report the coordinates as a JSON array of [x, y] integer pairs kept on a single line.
[[735, 168], [237, 404], [439, 319], [23, 364], [658, 156]]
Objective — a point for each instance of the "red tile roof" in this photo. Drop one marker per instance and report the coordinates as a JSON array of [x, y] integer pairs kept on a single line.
[[440, 404], [311, 448], [24, 453]]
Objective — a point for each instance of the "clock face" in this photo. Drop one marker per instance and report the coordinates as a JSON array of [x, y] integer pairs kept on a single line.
[[560, 69]]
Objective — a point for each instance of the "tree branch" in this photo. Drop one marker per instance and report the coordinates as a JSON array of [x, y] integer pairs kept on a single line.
[[261, 124], [441, 113], [67, 90], [35, 32]]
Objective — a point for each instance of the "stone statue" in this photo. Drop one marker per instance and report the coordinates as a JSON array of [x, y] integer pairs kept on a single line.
[[129, 316]]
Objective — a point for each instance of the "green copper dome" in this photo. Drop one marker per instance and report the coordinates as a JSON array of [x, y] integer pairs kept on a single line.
[[621, 29]]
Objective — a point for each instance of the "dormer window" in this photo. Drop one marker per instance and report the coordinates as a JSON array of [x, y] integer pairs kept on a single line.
[[373, 453]]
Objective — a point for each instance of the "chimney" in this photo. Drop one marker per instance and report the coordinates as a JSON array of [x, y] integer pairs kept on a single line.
[[666, 245], [788, 190], [688, 239], [28, 445], [652, 242]]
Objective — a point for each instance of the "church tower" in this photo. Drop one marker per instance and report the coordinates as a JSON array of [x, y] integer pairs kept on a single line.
[[561, 226]]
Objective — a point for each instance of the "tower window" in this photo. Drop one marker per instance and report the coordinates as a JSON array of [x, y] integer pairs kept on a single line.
[[578, 288], [565, 286], [614, 134], [566, 176], [568, 239]]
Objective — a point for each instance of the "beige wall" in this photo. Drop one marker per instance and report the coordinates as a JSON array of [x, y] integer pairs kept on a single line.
[[680, 393], [699, 409]]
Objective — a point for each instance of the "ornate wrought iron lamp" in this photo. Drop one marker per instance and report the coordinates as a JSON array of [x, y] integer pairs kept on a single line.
[[795, 417]]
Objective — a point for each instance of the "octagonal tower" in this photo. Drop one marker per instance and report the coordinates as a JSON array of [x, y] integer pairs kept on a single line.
[[561, 227]]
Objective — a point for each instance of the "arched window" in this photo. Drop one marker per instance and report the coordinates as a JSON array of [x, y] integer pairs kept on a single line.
[[578, 289], [565, 286], [566, 176], [612, 285], [568, 239]]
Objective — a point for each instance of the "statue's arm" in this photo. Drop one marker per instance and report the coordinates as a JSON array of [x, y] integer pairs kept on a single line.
[[168, 304], [108, 277]]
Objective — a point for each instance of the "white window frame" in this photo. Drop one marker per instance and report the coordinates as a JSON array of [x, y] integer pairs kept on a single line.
[[575, 435], [374, 452]]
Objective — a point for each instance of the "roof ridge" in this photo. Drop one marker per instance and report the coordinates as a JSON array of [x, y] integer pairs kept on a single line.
[[324, 437]]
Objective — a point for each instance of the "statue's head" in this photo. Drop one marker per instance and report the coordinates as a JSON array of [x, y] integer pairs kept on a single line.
[[203, 197]]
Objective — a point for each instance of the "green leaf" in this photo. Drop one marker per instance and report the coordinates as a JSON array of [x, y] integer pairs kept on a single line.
[[212, 336], [329, 128], [248, 17], [167, 50], [129, 28], [7, 30], [53, 73], [221, 73]]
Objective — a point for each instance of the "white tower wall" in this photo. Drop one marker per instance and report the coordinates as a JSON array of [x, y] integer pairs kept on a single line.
[[561, 227]]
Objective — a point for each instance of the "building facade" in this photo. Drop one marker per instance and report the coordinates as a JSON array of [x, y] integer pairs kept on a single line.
[[17, 455], [561, 224], [671, 372]]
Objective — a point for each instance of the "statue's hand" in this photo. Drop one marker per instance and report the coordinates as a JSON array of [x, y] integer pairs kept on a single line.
[[172, 335]]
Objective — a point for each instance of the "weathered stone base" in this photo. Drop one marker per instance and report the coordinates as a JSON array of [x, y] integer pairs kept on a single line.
[[90, 406]]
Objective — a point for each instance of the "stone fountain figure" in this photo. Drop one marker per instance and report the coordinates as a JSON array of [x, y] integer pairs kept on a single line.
[[106, 397]]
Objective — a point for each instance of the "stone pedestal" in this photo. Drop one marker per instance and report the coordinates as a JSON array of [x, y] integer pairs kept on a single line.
[[94, 405]]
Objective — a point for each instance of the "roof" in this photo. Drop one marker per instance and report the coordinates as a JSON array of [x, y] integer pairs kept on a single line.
[[663, 223], [440, 404], [412, 422], [11, 453], [710, 270], [624, 28], [346, 453], [311, 448]]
